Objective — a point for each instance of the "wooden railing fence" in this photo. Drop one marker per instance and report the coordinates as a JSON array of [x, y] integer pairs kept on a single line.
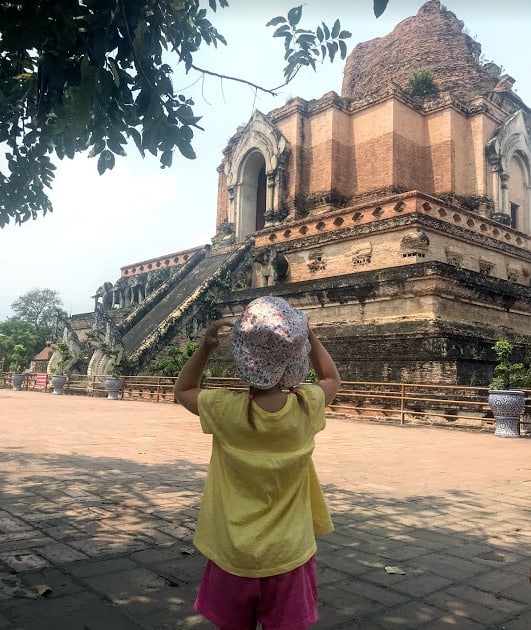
[[397, 403]]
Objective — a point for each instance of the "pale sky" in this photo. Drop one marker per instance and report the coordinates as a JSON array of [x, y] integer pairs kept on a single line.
[[138, 211]]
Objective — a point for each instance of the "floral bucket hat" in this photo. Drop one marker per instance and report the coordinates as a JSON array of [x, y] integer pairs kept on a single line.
[[270, 344]]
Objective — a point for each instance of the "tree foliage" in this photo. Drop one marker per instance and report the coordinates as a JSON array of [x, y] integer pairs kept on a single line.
[[509, 374], [94, 75], [176, 359], [304, 47], [42, 309], [16, 332]]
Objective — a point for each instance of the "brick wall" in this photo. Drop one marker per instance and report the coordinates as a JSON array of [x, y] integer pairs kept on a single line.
[[433, 39]]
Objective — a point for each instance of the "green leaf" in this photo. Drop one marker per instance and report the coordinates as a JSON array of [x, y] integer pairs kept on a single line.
[[116, 147], [379, 7], [305, 39], [186, 149], [282, 31], [97, 148], [342, 49], [166, 159], [336, 28], [105, 161], [294, 15], [320, 34], [114, 70], [332, 50], [137, 138], [276, 20]]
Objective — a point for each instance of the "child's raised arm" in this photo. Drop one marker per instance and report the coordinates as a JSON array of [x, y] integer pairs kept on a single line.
[[188, 385], [325, 368]]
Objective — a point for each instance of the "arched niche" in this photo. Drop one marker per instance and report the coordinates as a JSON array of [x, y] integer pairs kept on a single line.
[[255, 176], [509, 153], [252, 193]]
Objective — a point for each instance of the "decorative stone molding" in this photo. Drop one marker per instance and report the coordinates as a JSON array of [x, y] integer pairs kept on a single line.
[[259, 143], [415, 243], [270, 267], [512, 138], [362, 255], [453, 257], [316, 262], [486, 266], [514, 275]]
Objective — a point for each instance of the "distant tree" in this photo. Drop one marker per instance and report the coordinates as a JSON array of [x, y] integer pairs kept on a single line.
[[16, 332], [42, 308], [88, 76]]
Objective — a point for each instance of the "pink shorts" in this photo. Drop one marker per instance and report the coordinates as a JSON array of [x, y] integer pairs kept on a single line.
[[281, 602]]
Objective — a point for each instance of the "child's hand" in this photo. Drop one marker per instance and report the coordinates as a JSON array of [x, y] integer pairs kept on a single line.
[[211, 341]]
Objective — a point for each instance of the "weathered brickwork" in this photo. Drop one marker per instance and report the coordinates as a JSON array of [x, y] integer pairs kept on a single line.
[[433, 39]]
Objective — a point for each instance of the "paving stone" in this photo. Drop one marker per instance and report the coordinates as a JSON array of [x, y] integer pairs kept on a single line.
[[23, 560], [496, 581], [5, 624], [332, 618], [97, 546], [520, 622], [451, 622], [373, 592], [460, 607], [520, 592], [348, 603], [22, 540], [11, 586], [490, 600], [59, 553], [10, 523], [125, 585], [57, 581], [447, 566], [169, 607], [409, 616], [325, 575], [72, 612], [101, 567]]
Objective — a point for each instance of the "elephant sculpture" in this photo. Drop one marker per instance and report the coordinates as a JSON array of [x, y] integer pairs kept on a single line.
[[121, 293], [105, 294]]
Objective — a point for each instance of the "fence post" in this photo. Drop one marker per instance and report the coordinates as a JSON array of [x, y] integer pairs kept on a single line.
[[402, 403]]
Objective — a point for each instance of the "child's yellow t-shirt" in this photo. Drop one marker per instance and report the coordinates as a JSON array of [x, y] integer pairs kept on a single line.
[[262, 505]]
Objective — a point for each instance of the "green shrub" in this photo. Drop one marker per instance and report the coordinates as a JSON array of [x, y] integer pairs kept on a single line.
[[176, 359], [507, 374], [422, 82]]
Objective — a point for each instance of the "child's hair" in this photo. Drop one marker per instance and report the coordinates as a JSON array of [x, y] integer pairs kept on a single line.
[[252, 390]]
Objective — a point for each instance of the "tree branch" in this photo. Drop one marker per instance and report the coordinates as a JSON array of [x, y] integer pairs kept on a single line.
[[272, 92]]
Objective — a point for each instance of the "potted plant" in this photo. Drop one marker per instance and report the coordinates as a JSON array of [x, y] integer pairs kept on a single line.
[[114, 383], [60, 368], [17, 360], [506, 395]]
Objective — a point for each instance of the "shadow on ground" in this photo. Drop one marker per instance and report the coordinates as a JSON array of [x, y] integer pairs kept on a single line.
[[103, 543]]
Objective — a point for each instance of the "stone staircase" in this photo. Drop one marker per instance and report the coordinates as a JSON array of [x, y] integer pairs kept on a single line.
[[179, 308]]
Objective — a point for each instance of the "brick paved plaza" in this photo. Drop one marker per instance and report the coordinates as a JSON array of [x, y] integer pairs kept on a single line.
[[98, 501]]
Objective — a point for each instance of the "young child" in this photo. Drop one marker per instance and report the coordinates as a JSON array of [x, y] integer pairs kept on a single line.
[[262, 505]]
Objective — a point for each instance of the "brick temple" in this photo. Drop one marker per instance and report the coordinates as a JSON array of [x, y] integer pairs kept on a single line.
[[396, 215]]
